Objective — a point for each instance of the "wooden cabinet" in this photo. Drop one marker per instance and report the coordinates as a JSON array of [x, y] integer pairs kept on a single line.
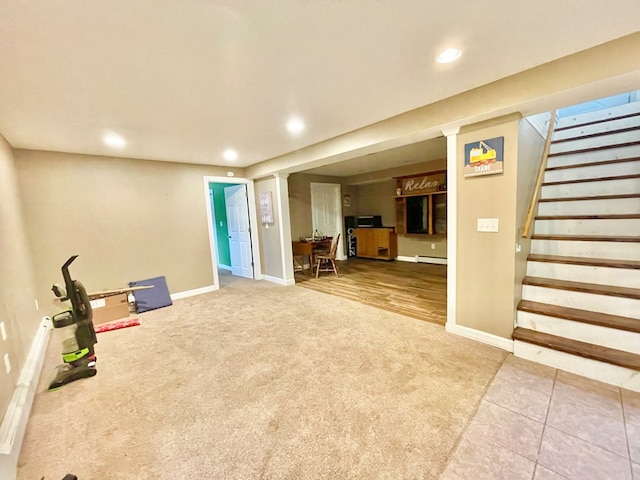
[[381, 243]]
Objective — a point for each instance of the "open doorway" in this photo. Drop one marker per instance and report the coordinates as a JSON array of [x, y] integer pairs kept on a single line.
[[230, 215]]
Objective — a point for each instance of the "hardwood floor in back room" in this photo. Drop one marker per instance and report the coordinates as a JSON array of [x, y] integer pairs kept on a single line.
[[417, 290]]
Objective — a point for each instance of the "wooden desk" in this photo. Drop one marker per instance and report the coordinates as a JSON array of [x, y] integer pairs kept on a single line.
[[308, 249]]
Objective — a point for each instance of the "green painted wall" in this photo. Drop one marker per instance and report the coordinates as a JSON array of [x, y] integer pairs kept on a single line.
[[222, 233]]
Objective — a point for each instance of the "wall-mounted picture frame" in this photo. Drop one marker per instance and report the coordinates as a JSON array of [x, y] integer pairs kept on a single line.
[[266, 208], [484, 157]]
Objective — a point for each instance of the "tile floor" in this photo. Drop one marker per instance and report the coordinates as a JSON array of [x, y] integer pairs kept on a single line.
[[539, 423]]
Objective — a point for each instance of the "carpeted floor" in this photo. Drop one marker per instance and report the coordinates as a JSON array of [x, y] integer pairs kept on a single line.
[[259, 381]]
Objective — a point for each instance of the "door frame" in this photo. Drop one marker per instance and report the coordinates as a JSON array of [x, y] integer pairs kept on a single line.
[[253, 222], [215, 230]]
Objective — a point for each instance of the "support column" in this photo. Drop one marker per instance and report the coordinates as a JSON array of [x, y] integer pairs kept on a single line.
[[452, 219], [284, 225]]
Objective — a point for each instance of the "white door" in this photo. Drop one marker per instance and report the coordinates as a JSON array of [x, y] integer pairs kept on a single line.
[[239, 232], [326, 212]]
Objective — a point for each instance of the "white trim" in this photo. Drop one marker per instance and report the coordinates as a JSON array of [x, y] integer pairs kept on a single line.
[[224, 267], [284, 221], [195, 291], [422, 259], [15, 419], [483, 337], [279, 281], [452, 228], [253, 224], [210, 229]]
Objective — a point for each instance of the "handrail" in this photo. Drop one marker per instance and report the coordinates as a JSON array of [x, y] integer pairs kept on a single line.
[[543, 166]]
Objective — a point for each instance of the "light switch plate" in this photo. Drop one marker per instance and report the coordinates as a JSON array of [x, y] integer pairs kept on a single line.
[[488, 225]]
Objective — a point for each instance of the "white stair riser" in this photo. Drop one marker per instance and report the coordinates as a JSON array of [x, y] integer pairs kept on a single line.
[[604, 372], [595, 156], [626, 307], [623, 227], [596, 171], [604, 187], [571, 248], [583, 332], [596, 115], [590, 207], [598, 128], [594, 142], [620, 277]]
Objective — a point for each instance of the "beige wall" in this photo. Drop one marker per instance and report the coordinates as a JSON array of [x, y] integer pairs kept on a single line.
[[270, 240], [17, 284], [127, 219], [378, 199], [300, 201], [530, 148], [486, 261]]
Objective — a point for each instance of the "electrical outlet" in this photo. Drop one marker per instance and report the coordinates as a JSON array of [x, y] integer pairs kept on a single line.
[[3, 332], [221, 224], [433, 246], [7, 363]]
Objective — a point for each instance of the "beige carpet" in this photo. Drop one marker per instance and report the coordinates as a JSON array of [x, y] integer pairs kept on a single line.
[[259, 381]]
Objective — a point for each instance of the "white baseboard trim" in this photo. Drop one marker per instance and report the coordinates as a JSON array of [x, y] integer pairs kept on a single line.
[[224, 267], [15, 419], [421, 259], [195, 291], [483, 337], [279, 281]]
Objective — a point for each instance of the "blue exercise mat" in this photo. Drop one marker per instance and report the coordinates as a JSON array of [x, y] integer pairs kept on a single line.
[[151, 298]]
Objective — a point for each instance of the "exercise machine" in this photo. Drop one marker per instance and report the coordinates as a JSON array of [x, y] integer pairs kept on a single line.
[[75, 328]]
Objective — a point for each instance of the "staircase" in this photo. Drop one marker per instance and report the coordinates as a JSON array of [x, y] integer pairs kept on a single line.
[[580, 308]]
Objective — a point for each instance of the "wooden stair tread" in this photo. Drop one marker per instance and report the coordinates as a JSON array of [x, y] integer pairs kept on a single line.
[[592, 197], [595, 122], [575, 347], [596, 134], [592, 262], [595, 149], [593, 179], [583, 316], [614, 216], [594, 288], [588, 238], [593, 164]]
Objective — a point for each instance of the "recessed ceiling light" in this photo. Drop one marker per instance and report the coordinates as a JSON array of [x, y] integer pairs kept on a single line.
[[295, 126], [114, 140], [449, 55], [230, 155]]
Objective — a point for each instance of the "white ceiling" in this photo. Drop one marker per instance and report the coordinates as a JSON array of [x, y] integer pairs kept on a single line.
[[419, 152], [185, 80]]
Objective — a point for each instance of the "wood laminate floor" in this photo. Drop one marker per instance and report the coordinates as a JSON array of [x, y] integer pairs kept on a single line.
[[418, 290]]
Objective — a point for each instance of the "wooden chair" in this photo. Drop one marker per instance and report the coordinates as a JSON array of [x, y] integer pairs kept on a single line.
[[327, 261]]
